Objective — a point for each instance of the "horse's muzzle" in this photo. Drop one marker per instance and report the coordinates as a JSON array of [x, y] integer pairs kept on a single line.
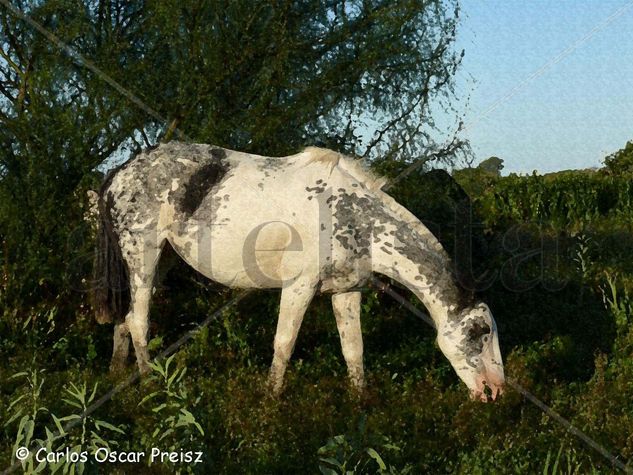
[[489, 386]]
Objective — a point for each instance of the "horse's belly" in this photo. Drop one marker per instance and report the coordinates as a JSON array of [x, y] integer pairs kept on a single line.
[[244, 254]]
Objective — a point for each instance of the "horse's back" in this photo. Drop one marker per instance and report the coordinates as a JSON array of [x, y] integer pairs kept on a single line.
[[274, 211]]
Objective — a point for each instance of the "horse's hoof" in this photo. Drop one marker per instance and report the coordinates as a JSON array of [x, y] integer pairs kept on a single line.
[[275, 388], [117, 370], [144, 370], [118, 365]]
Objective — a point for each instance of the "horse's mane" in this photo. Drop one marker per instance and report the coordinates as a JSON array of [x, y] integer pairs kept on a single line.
[[356, 168]]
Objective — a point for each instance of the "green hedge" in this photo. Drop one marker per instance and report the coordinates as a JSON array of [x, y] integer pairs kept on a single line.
[[562, 200]]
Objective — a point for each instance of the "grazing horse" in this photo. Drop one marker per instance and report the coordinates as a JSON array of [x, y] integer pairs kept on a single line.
[[312, 222]]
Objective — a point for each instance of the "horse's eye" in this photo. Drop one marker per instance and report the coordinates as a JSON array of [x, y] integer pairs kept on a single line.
[[477, 331]]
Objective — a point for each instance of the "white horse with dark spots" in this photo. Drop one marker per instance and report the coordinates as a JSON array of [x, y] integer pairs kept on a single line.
[[314, 222]]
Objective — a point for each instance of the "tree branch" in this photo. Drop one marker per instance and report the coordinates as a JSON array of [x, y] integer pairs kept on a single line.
[[171, 129], [10, 62]]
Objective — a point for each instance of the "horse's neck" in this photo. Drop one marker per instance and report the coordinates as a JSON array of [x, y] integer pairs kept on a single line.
[[414, 257], [413, 223]]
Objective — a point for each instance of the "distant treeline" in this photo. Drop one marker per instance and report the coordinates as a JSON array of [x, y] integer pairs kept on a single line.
[[562, 200]]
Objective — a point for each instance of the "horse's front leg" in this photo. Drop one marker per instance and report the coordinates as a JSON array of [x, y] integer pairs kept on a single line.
[[347, 312], [294, 302]]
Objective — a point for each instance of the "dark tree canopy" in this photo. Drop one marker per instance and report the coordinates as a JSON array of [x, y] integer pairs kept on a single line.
[[268, 77], [620, 162], [492, 165]]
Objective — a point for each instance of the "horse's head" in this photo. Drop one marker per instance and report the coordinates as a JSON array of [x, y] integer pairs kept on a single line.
[[471, 344]]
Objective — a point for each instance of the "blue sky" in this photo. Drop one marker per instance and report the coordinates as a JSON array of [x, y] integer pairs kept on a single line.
[[579, 110]]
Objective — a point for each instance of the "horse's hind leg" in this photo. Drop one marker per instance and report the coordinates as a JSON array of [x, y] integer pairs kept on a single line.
[[142, 264], [121, 347], [138, 323], [121, 331], [347, 312]]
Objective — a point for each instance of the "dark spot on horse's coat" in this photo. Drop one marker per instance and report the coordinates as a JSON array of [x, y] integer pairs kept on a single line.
[[260, 185], [478, 328], [322, 227], [319, 182], [316, 189], [384, 249], [218, 154], [202, 180], [472, 344], [272, 163]]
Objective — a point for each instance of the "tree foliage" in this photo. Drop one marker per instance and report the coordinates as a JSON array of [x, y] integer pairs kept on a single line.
[[268, 77], [620, 162], [480, 178], [492, 165]]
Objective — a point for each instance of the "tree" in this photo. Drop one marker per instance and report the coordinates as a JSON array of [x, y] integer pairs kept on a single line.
[[492, 165], [620, 162], [476, 180], [261, 76], [271, 77], [57, 122]]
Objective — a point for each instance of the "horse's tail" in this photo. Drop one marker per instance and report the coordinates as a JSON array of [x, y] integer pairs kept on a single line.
[[110, 292]]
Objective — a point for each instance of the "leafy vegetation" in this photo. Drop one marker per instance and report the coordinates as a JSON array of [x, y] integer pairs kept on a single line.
[[552, 255], [620, 162], [566, 337], [259, 76]]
